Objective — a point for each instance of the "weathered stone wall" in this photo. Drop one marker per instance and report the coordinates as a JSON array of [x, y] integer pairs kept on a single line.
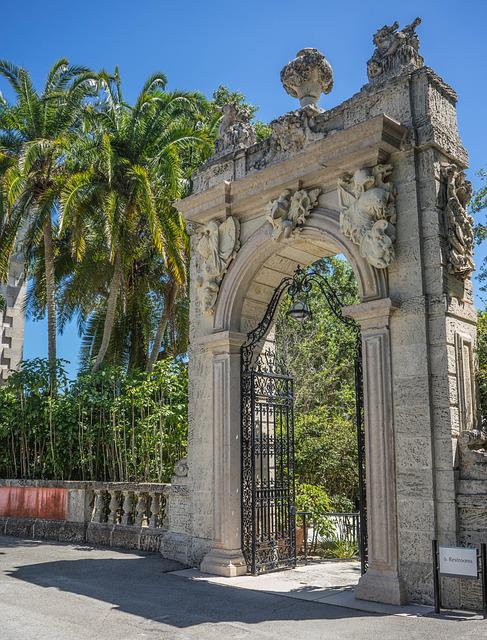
[[471, 464]]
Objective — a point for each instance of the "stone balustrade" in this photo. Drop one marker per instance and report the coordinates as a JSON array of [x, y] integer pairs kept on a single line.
[[130, 504], [123, 514]]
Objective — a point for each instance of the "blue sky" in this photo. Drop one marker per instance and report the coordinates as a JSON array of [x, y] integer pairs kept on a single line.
[[244, 45]]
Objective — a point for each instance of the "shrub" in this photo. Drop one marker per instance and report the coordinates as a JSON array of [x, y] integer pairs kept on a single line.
[[109, 425]]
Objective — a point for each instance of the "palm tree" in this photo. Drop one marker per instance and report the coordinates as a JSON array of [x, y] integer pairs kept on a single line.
[[125, 176], [35, 133]]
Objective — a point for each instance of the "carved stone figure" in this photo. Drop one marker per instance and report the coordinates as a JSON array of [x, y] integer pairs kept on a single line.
[[472, 449], [289, 132], [287, 213], [217, 246], [235, 130], [368, 213], [396, 50], [456, 194], [307, 76]]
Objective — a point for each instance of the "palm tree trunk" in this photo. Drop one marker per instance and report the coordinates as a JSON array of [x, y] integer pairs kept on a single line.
[[138, 351], [50, 299], [111, 309], [161, 327]]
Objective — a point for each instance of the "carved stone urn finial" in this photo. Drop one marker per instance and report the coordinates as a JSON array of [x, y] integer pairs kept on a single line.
[[307, 76]]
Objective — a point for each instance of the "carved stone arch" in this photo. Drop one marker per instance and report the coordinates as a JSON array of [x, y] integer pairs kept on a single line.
[[395, 136], [322, 227]]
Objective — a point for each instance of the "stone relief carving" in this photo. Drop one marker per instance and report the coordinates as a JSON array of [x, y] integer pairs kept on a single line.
[[307, 76], [217, 245], [235, 130], [368, 213], [472, 449], [454, 198], [396, 51], [287, 213], [289, 131], [181, 468]]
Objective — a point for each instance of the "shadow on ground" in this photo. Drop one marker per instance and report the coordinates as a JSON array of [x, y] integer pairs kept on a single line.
[[139, 584]]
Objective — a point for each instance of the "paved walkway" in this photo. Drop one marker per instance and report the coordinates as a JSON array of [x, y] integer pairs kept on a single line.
[[329, 582], [52, 591]]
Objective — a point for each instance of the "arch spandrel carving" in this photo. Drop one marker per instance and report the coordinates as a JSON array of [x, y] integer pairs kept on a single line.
[[323, 228]]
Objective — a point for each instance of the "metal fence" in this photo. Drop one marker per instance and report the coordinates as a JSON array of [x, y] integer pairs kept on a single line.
[[344, 527]]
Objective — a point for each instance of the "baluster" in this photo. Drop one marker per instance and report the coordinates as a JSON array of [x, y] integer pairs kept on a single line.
[[98, 507], [128, 501], [114, 507], [140, 509], [164, 508], [155, 507]]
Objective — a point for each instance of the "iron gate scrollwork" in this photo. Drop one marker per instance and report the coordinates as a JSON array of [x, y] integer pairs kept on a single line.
[[267, 417], [268, 514]]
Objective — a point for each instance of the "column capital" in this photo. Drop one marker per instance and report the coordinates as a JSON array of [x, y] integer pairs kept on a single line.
[[373, 314], [221, 341]]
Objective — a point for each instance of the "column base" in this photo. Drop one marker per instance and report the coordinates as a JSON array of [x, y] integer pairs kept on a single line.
[[381, 587], [224, 562]]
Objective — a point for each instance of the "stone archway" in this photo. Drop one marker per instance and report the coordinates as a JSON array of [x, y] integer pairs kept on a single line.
[[246, 290], [319, 238], [260, 209]]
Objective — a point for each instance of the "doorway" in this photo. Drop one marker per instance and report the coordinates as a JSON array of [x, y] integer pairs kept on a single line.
[[271, 520]]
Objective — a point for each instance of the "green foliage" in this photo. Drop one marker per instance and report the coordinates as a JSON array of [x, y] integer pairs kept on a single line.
[[36, 131], [91, 179], [319, 352], [315, 501], [105, 426], [124, 177], [320, 356], [337, 549], [479, 198], [326, 453], [478, 204], [342, 504], [482, 364]]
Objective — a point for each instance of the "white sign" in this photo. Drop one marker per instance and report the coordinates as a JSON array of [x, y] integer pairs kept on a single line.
[[458, 561]]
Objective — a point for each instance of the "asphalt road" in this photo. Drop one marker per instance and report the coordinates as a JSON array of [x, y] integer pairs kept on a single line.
[[52, 591]]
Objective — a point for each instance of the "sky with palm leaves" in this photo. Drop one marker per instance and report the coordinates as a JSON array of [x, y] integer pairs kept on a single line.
[[200, 45]]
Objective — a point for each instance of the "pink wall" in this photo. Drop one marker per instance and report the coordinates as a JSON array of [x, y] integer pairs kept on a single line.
[[34, 502]]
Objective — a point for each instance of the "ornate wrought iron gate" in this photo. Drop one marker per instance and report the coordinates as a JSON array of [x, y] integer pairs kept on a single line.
[[267, 417]]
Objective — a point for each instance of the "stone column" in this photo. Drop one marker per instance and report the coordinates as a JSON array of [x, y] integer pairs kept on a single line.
[[225, 557], [381, 582]]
